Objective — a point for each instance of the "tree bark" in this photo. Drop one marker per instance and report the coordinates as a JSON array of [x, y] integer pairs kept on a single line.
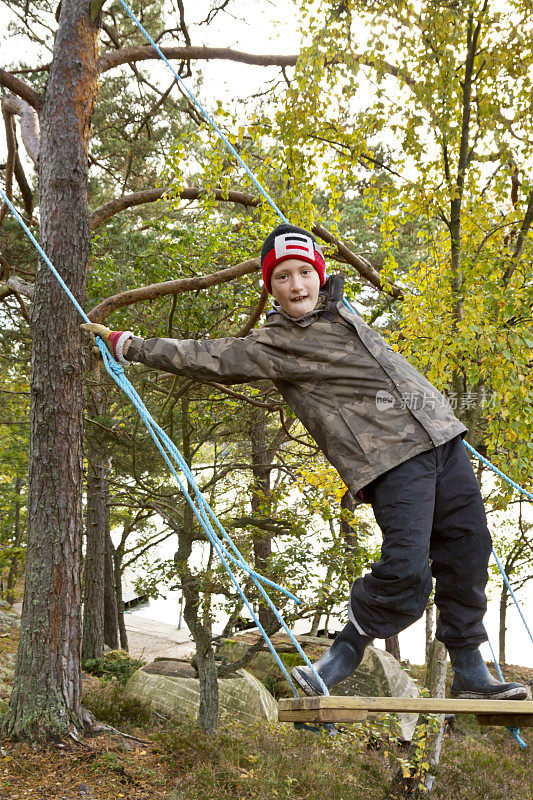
[[392, 646], [94, 573], [430, 614], [117, 564], [503, 622], [111, 615], [45, 704], [156, 290]]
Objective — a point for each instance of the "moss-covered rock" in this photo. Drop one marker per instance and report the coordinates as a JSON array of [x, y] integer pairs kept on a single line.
[[378, 675], [172, 688]]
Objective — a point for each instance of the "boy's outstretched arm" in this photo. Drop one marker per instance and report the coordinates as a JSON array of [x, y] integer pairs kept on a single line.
[[229, 360]]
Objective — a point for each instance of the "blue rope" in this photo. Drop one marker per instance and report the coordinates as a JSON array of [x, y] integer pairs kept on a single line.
[[205, 114], [202, 510], [501, 474], [512, 730]]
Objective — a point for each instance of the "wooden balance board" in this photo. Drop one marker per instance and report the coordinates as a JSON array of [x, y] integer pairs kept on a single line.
[[512, 713]]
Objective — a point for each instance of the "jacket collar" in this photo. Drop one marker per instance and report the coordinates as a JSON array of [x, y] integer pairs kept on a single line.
[[331, 292]]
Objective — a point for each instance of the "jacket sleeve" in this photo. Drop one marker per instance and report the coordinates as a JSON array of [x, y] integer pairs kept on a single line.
[[230, 360]]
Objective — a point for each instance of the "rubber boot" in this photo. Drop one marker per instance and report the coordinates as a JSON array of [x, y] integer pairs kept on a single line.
[[473, 681], [342, 658]]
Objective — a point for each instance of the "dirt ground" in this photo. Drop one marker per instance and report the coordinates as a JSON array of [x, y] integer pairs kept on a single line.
[[147, 647]]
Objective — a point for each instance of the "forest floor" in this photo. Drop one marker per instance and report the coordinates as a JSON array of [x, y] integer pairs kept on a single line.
[[172, 760]]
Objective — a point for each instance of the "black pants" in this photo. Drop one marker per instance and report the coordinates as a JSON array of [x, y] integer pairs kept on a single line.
[[433, 521]]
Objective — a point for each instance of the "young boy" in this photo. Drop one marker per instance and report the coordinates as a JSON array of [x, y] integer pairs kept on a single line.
[[393, 439]]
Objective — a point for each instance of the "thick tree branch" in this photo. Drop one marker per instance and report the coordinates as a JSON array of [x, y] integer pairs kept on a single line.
[[128, 55], [17, 287], [21, 89], [521, 239], [29, 123], [363, 267], [156, 290], [105, 212], [24, 186], [10, 161], [255, 316]]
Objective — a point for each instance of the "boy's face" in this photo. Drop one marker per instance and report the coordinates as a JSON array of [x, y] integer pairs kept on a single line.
[[295, 285]]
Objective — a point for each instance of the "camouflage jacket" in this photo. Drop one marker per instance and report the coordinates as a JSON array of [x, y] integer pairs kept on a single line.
[[364, 404]]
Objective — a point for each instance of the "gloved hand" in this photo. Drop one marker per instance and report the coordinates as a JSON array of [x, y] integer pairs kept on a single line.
[[117, 341], [95, 329]]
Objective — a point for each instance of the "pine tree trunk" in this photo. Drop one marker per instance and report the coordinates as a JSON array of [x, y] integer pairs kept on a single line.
[[430, 614], [111, 624], [120, 605], [392, 646], [94, 573], [503, 622], [45, 703]]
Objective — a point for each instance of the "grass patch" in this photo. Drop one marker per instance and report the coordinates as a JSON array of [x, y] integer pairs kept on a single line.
[[272, 761], [111, 704]]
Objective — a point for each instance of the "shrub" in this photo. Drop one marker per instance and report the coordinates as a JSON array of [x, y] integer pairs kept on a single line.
[[115, 664]]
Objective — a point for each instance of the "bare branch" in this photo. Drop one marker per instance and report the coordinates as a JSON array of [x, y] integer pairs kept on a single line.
[[128, 55], [29, 123], [21, 89], [155, 290], [10, 161], [11, 106], [108, 210]]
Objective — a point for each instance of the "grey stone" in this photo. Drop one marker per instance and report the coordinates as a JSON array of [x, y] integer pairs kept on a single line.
[[173, 689], [378, 675], [9, 619]]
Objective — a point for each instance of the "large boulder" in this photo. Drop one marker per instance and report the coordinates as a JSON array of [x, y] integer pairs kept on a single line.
[[9, 619], [171, 687], [7, 672], [378, 675]]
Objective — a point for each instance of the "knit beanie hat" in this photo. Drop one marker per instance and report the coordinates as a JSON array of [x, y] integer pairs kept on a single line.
[[288, 241]]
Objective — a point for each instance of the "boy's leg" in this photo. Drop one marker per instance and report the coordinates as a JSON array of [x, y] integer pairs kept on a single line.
[[395, 593], [460, 550]]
